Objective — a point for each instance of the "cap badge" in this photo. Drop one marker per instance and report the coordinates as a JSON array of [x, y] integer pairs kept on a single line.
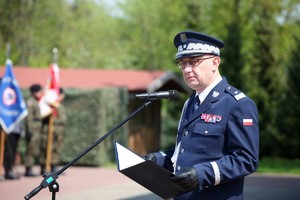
[[183, 37]]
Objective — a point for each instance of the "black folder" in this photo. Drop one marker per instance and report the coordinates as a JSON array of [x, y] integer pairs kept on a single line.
[[146, 173]]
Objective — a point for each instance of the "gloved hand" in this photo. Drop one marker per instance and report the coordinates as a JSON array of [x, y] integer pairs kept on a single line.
[[151, 157], [186, 178]]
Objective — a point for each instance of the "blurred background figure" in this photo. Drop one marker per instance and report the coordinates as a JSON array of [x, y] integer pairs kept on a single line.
[[11, 146], [33, 127], [59, 128], [59, 119]]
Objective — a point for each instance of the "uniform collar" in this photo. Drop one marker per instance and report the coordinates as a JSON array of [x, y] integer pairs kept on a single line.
[[205, 92], [214, 95]]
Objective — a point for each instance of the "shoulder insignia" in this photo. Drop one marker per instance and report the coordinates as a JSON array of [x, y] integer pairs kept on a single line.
[[237, 94]]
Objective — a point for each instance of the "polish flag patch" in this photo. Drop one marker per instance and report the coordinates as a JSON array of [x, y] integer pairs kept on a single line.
[[247, 122]]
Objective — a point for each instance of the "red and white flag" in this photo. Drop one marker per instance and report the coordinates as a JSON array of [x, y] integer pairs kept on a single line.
[[51, 95], [247, 122], [52, 87], [53, 81]]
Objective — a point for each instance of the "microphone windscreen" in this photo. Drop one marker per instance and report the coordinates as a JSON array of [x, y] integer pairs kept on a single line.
[[173, 94]]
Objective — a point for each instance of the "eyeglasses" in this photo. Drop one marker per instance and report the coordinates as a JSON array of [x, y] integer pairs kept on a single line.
[[182, 64]]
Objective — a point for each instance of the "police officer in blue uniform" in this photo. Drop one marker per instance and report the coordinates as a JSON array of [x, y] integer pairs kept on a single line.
[[218, 133]]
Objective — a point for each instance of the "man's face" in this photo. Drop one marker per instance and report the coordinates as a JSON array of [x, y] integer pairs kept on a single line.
[[38, 94], [199, 72]]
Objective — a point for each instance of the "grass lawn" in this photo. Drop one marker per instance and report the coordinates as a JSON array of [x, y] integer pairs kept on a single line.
[[279, 165]]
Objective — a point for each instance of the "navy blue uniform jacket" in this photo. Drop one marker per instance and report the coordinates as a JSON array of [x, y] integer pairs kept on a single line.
[[220, 140]]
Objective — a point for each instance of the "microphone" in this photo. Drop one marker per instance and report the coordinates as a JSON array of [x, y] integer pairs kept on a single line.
[[170, 94]]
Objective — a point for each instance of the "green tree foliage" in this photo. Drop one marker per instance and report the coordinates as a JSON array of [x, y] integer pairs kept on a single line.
[[289, 114], [83, 31], [263, 69], [233, 59], [90, 37], [147, 32], [15, 22], [45, 31]]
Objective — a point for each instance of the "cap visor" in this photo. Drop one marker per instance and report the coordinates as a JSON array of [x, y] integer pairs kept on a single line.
[[188, 55]]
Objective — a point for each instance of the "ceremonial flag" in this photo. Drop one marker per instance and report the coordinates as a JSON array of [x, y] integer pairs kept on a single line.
[[54, 78], [12, 105], [51, 95], [52, 87], [52, 98]]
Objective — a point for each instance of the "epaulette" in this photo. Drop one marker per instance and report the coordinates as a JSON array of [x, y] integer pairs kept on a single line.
[[237, 94]]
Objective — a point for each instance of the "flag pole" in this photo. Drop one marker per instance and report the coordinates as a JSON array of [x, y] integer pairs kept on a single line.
[[55, 55], [50, 126], [49, 144], [13, 107], [2, 139], [2, 136], [8, 49]]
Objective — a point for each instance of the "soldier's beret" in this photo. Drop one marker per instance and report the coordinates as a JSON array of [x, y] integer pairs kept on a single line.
[[190, 44], [35, 88]]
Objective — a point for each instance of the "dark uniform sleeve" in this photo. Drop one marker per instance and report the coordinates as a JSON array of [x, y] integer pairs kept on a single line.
[[164, 159]]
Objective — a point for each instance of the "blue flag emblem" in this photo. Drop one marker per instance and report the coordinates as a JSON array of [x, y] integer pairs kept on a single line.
[[12, 105]]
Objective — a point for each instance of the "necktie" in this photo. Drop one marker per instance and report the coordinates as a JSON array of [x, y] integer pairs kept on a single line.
[[196, 103]]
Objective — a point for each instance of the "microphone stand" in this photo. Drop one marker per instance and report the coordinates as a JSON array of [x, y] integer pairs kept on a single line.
[[50, 179]]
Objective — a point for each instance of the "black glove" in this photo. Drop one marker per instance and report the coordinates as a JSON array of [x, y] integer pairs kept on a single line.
[[186, 178], [151, 157]]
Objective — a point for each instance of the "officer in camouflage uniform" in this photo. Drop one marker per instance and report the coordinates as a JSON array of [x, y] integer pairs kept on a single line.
[[59, 128], [33, 127], [59, 120], [43, 144], [59, 117]]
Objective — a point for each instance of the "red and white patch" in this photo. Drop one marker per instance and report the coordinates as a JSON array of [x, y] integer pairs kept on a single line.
[[247, 122]]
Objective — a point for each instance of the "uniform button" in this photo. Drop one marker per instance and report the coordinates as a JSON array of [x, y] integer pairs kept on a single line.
[[181, 150], [178, 168], [206, 186], [186, 133], [228, 87], [206, 132]]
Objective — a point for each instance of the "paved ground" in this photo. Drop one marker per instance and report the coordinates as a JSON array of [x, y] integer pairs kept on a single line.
[[272, 187], [88, 183], [78, 183]]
